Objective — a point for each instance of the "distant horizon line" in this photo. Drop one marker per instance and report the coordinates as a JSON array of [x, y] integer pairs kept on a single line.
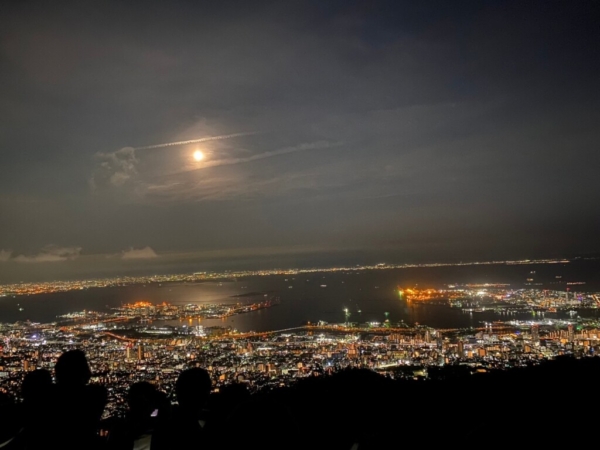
[[291, 270]]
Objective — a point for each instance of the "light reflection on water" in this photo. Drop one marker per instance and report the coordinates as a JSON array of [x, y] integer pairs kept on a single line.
[[303, 297]]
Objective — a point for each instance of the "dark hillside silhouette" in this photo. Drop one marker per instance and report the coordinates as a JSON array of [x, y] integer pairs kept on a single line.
[[351, 409]]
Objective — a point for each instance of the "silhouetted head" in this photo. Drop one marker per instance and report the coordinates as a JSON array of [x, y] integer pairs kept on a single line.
[[143, 399], [36, 385], [193, 388], [72, 369]]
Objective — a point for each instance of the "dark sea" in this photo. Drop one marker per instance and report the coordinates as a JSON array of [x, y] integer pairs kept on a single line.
[[367, 294]]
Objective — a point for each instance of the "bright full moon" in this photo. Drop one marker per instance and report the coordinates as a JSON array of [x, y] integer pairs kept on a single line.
[[198, 155]]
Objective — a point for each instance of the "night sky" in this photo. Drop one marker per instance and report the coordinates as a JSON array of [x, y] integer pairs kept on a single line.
[[341, 132]]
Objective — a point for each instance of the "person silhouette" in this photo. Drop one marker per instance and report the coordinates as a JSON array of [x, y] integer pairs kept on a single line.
[[147, 406], [185, 429], [37, 384], [79, 406]]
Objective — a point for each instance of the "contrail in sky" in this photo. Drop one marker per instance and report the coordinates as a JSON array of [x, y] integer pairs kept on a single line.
[[193, 141], [282, 151]]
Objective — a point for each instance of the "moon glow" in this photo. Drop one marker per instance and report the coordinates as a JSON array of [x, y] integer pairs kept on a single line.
[[198, 155]]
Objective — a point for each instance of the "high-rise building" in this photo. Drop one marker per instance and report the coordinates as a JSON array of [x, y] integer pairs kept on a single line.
[[140, 352], [535, 334], [570, 333]]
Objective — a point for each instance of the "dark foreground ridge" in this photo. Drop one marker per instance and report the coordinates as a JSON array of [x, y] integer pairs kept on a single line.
[[549, 404]]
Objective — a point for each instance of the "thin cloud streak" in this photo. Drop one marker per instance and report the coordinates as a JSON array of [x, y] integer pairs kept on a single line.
[[182, 187], [283, 151], [194, 141]]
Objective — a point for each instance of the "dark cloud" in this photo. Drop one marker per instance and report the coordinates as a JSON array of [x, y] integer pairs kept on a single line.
[[382, 124]]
